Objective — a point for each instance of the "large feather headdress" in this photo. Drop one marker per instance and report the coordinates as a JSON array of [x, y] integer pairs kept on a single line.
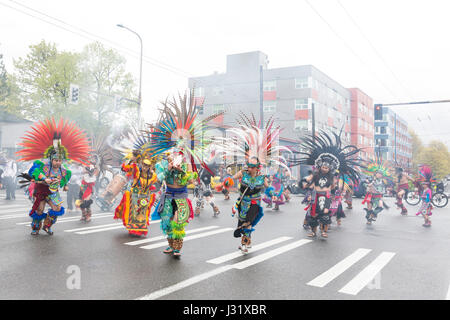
[[426, 174], [375, 166], [179, 130], [249, 140], [328, 149], [48, 139]]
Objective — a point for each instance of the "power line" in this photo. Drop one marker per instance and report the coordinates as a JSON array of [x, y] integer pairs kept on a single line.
[[350, 48], [374, 48], [93, 37]]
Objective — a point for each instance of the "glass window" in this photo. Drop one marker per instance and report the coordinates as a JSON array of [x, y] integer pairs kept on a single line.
[[301, 125], [301, 104], [301, 83], [270, 85], [218, 90], [218, 108], [270, 106], [199, 92]]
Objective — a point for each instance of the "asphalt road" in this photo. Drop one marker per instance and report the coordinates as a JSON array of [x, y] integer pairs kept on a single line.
[[395, 258]]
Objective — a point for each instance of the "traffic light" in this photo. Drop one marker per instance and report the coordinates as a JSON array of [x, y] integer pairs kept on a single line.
[[74, 94], [378, 112]]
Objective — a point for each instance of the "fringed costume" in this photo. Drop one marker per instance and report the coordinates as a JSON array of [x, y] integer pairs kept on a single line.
[[328, 156], [256, 148], [402, 189], [376, 187], [275, 193], [426, 179], [54, 142], [203, 193], [184, 140], [137, 201]]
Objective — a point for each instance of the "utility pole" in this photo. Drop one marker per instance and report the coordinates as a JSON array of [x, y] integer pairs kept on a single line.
[[313, 120], [395, 138], [261, 97], [140, 73]]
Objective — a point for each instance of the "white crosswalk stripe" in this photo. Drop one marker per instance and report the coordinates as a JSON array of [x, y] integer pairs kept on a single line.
[[101, 228], [71, 219], [239, 265], [201, 235], [255, 248], [339, 268], [139, 242], [368, 274], [93, 227], [6, 208]]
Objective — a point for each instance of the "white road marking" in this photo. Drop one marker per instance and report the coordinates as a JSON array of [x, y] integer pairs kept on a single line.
[[368, 274], [339, 268], [138, 242], [5, 208], [240, 265], [201, 235], [186, 283], [117, 226], [71, 219], [270, 254], [94, 227], [238, 254]]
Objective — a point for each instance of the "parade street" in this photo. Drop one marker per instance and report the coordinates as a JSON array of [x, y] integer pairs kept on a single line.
[[395, 258]]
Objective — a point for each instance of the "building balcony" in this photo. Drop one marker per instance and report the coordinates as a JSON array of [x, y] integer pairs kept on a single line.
[[382, 136], [378, 123]]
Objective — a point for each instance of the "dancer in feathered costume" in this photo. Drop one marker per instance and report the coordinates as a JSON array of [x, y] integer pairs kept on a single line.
[[101, 158], [376, 187], [137, 201], [226, 184], [425, 180], [275, 192], [285, 177], [327, 155], [203, 191], [402, 189], [186, 139], [336, 209], [256, 148], [348, 185], [54, 142]]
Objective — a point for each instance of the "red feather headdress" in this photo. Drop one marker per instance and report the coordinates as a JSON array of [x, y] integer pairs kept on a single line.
[[47, 139]]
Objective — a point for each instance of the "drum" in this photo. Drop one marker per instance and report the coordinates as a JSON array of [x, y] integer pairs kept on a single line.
[[114, 187]]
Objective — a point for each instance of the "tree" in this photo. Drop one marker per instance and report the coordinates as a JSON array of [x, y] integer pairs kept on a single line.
[[417, 147], [44, 79], [437, 156], [103, 79], [4, 86], [41, 82]]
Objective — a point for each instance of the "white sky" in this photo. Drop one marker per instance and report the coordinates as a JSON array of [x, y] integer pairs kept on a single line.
[[411, 61]]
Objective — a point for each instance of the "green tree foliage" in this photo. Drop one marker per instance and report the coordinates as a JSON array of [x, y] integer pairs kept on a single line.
[[5, 90], [106, 85], [41, 83], [437, 156]]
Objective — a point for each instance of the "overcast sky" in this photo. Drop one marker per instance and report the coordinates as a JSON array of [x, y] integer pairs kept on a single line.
[[393, 50]]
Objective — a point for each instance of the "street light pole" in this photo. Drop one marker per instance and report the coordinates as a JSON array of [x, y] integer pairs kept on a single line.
[[140, 74]]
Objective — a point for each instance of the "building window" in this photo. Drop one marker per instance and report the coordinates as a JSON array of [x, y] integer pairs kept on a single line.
[[301, 125], [301, 104], [217, 91], [301, 83], [270, 106], [199, 92], [270, 85], [218, 108]]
